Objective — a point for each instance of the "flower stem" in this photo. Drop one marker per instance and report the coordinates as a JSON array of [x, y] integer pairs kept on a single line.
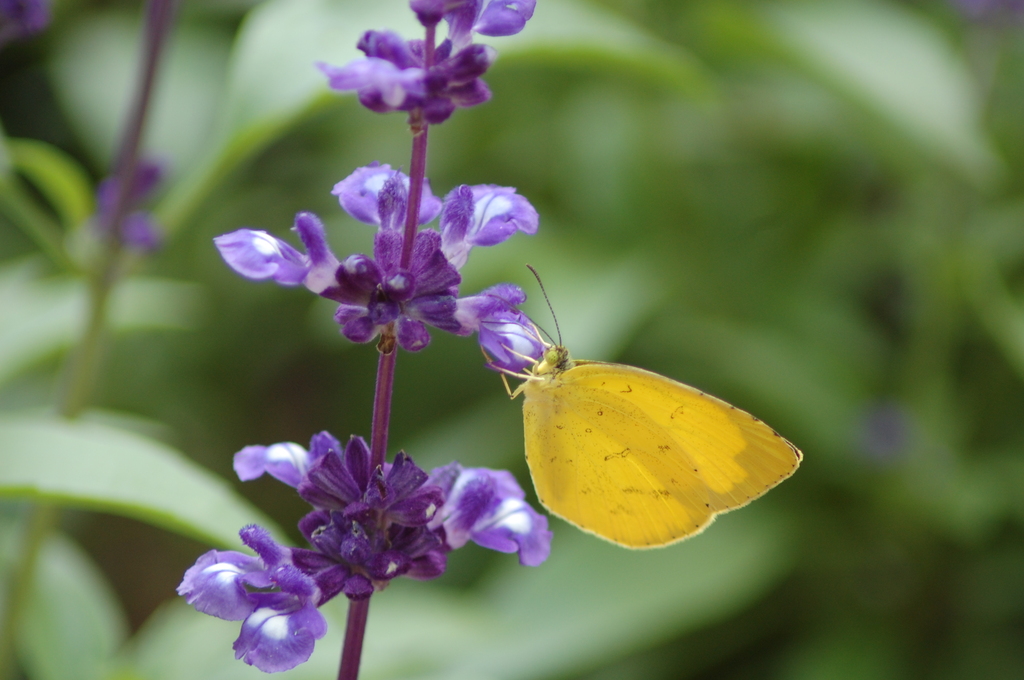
[[355, 627], [40, 521], [418, 164], [382, 406], [83, 363]]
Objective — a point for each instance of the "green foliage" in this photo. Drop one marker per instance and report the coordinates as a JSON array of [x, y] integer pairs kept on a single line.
[[102, 468], [812, 209]]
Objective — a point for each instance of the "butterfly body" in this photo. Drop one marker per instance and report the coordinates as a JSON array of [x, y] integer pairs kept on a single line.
[[637, 458]]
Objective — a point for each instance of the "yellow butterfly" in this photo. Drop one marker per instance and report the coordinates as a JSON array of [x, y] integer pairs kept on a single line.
[[637, 458]]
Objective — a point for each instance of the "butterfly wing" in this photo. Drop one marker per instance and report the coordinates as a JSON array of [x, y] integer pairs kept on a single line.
[[643, 460]]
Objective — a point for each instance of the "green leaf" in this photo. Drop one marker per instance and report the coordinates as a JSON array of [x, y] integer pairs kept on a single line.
[[893, 63], [40, 317], [73, 623], [611, 601], [273, 81], [92, 466], [56, 175]]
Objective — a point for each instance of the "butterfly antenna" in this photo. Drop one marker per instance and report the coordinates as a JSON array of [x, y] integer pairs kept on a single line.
[[547, 300]]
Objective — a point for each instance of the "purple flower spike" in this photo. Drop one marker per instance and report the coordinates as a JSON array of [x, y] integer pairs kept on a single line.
[[359, 194], [506, 334], [487, 507], [482, 215], [257, 255], [280, 633], [22, 18]]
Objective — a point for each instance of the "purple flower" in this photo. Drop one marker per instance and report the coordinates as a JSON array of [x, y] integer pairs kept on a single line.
[[487, 507], [139, 230], [286, 461], [257, 255], [486, 17], [394, 77], [359, 195], [376, 292], [276, 601], [22, 18], [368, 526], [507, 336], [482, 215]]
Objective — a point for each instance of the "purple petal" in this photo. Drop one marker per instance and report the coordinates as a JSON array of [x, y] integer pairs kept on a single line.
[[428, 12], [428, 566], [358, 194], [418, 509], [387, 250], [286, 461], [433, 273], [257, 255], [515, 526], [360, 329], [504, 17], [412, 335], [388, 565], [357, 463], [270, 551], [487, 507], [321, 275], [437, 110], [466, 65], [456, 217], [497, 213], [473, 93], [357, 276], [387, 45], [321, 444], [394, 85], [328, 485], [280, 634], [436, 310], [214, 585], [511, 341], [391, 202], [461, 16], [507, 335]]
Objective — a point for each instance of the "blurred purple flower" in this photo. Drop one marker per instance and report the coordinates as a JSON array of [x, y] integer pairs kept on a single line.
[[139, 231], [22, 18], [992, 10]]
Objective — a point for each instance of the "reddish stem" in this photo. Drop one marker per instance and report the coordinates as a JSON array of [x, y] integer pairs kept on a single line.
[[355, 627]]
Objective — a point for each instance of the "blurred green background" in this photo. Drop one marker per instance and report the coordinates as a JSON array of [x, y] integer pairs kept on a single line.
[[814, 210]]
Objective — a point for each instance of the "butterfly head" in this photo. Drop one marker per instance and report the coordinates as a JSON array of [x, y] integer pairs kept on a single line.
[[556, 359]]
